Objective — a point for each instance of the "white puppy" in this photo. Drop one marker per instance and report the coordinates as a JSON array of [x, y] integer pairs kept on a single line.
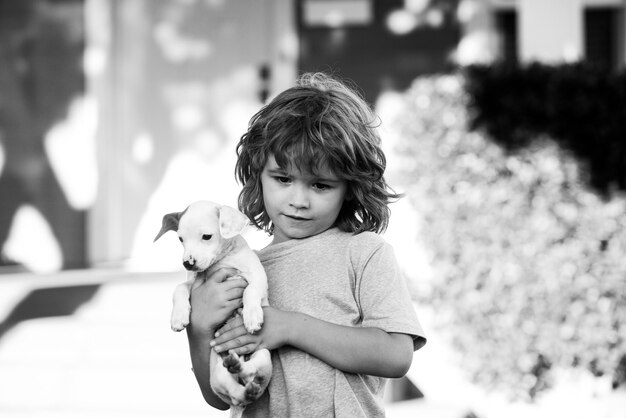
[[210, 234]]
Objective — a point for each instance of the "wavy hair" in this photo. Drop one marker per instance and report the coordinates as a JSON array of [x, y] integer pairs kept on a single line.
[[320, 122]]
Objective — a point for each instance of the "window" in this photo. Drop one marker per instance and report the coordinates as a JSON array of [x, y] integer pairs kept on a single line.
[[602, 26], [506, 25]]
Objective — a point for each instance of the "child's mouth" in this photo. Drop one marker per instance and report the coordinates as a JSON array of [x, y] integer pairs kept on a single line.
[[296, 218]]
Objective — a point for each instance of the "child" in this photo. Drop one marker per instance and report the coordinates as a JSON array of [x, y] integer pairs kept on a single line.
[[341, 320]]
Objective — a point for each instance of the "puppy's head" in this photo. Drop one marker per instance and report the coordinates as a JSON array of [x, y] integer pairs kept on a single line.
[[202, 229]]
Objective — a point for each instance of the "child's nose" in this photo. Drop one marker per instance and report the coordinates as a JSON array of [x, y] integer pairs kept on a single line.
[[300, 197]]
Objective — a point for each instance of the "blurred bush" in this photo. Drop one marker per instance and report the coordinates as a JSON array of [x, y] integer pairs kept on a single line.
[[529, 261], [581, 106]]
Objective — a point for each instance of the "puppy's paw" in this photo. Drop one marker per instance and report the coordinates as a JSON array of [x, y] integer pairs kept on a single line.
[[179, 325], [252, 392], [180, 319], [252, 318], [232, 363]]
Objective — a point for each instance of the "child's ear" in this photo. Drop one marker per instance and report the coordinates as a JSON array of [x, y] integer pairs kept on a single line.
[[232, 222]]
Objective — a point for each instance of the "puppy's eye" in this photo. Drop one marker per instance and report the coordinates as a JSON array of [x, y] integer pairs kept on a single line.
[[206, 237], [180, 239]]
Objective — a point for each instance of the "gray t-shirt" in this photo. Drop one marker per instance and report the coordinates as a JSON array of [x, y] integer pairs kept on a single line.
[[346, 279]]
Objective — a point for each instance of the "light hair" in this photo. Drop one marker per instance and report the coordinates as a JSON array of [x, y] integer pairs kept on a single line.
[[320, 122]]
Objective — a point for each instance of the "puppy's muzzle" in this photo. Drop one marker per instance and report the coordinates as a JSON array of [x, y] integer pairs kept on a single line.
[[190, 264]]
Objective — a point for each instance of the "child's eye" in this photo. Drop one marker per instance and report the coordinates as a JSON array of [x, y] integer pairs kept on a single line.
[[322, 186], [206, 237], [282, 179]]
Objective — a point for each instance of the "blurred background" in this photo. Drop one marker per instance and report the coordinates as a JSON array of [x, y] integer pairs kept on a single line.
[[504, 123]]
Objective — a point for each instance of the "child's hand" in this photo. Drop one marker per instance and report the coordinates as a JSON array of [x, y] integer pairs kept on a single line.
[[233, 336], [214, 300]]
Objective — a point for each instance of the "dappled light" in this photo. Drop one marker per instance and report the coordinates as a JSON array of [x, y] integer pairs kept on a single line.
[[71, 149], [203, 168], [47, 135], [527, 260], [177, 47], [418, 14], [478, 44], [401, 22], [31, 242]]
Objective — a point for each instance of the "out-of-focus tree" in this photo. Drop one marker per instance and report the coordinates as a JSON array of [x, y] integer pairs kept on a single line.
[[529, 265]]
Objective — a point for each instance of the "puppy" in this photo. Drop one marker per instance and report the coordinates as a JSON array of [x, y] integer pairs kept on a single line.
[[210, 234]]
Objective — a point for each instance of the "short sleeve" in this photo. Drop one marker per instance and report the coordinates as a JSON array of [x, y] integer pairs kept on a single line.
[[382, 293]]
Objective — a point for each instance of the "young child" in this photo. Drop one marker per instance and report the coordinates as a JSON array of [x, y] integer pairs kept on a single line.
[[341, 320]]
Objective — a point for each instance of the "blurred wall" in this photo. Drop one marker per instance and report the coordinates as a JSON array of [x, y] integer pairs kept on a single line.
[[565, 40], [115, 112], [380, 45], [176, 82], [42, 223], [559, 30]]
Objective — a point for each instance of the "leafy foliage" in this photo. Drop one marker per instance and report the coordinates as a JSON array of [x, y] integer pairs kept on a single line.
[[580, 106], [530, 266]]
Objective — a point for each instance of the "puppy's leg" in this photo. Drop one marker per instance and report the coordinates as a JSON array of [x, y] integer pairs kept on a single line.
[[182, 308], [232, 363], [225, 384], [236, 411], [257, 369], [253, 391], [252, 307], [252, 376]]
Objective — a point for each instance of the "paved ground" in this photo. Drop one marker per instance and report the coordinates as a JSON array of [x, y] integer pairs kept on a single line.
[[98, 344], [115, 356]]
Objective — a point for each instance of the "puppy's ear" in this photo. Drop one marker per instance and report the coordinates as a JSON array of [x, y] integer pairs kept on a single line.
[[170, 223], [232, 222]]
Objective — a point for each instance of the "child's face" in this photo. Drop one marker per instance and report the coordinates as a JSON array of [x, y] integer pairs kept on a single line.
[[299, 204]]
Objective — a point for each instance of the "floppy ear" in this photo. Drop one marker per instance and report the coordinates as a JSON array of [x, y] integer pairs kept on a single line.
[[232, 222], [170, 223]]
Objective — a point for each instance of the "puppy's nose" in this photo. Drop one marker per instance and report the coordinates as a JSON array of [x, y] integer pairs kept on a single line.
[[188, 264]]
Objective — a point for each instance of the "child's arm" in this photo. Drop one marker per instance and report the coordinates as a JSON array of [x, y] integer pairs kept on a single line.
[[350, 349], [212, 302]]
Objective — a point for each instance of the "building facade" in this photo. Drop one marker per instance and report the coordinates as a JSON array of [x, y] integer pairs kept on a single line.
[[167, 88]]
